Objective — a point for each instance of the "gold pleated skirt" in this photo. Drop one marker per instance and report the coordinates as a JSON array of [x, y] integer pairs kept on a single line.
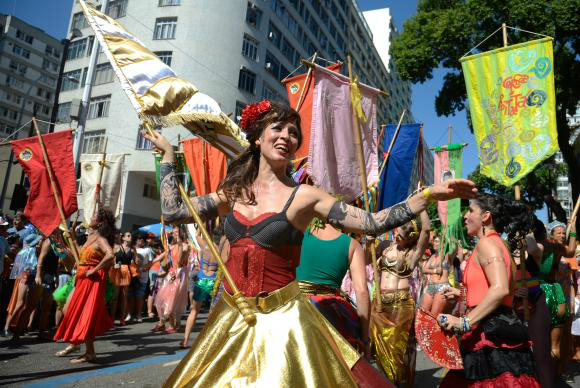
[[291, 346], [392, 337]]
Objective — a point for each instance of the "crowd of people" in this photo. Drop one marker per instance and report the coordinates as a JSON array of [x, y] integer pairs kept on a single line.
[[296, 254]]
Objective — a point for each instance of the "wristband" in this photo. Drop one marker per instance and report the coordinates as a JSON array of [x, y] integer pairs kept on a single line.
[[572, 234], [427, 194]]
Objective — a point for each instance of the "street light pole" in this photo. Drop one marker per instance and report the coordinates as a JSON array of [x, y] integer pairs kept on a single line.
[[85, 102]]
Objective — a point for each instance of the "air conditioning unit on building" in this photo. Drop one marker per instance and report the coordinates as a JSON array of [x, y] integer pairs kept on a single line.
[[270, 35], [269, 66]]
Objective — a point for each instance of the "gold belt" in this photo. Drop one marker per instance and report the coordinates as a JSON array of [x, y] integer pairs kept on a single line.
[[317, 289], [266, 302], [395, 296]]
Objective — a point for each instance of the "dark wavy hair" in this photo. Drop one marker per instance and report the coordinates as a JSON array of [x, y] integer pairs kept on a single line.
[[104, 224], [243, 170], [508, 216]]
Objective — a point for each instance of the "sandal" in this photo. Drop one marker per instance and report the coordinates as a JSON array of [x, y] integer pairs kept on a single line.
[[171, 330], [158, 328], [68, 350], [84, 358], [183, 345]]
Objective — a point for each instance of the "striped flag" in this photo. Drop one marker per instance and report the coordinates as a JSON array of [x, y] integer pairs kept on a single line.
[[157, 94]]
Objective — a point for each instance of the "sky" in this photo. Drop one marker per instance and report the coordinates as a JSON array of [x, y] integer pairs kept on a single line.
[[52, 17]]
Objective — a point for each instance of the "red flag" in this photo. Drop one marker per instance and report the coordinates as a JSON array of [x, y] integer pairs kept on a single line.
[[41, 207], [206, 164], [294, 88]]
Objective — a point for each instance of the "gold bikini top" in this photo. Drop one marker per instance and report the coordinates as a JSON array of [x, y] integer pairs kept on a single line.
[[394, 268]]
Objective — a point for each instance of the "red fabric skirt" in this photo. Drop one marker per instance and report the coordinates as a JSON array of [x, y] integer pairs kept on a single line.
[[368, 377], [86, 316]]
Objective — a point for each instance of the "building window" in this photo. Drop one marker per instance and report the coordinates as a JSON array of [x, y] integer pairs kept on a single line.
[[19, 67], [9, 113], [94, 142], [247, 81], [15, 83], [274, 67], [268, 93], [288, 50], [99, 107], [13, 98], [166, 3], [63, 115], [25, 37], [71, 80], [253, 15], [104, 74], [250, 48], [239, 108], [79, 21], [76, 49], [150, 190], [117, 8], [165, 56], [21, 51], [274, 35], [165, 28]]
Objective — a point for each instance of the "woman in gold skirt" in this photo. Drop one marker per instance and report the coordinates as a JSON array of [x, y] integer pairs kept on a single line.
[[291, 344], [391, 331]]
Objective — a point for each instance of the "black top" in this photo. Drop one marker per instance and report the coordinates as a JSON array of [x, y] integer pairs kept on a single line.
[[273, 231], [50, 263], [122, 257]]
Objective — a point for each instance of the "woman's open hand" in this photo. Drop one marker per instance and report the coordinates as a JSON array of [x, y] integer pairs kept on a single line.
[[160, 143], [453, 188]]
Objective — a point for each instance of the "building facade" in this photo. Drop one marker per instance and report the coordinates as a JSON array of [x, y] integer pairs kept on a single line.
[[563, 185], [29, 65], [235, 51]]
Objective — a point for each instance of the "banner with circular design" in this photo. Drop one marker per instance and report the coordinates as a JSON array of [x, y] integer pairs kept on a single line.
[[513, 108]]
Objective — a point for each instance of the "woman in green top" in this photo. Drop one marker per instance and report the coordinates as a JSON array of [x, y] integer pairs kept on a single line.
[[327, 254]]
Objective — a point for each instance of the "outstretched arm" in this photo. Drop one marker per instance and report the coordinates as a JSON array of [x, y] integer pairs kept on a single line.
[[351, 219], [172, 207], [423, 240]]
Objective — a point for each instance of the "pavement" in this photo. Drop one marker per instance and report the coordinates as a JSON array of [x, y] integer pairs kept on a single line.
[[133, 357]]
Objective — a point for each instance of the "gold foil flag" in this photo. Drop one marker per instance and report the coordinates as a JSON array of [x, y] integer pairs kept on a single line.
[[158, 95]]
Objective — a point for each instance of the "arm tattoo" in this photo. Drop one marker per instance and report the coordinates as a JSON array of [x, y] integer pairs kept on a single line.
[[172, 206], [343, 216]]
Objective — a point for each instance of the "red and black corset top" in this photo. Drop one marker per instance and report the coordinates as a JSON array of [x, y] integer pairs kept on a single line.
[[264, 252]]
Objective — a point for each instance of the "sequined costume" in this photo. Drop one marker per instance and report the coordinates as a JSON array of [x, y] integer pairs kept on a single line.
[[391, 331], [86, 316], [291, 344], [496, 352]]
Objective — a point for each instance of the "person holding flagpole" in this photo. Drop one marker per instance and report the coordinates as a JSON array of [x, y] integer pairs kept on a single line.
[[266, 213]]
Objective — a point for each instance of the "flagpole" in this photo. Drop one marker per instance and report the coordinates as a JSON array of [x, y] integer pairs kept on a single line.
[[517, 195], [308, 75], [239, 298], [48, 165], [99, 181], [574, 214], [364, 187], [392, 144]]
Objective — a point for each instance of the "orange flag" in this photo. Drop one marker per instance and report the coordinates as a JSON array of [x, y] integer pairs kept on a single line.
[[206, 164], [294, 87]]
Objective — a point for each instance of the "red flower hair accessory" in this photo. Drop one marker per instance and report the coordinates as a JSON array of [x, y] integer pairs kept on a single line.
[[252, 112]]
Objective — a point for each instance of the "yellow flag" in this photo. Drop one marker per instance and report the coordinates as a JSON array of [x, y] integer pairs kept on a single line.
[[513, 108]]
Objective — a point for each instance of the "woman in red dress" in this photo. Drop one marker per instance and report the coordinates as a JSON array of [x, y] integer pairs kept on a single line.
[[495, 345], [291, 344], [87, 316]]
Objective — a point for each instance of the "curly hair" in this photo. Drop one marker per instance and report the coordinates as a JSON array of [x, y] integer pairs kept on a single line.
[[508, 216], [104, 224], [243, 170]]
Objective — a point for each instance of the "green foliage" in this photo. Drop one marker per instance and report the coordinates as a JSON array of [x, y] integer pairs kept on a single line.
[[443, 31]]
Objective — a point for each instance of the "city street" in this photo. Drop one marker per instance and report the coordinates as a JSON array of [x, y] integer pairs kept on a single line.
[[131, 357]]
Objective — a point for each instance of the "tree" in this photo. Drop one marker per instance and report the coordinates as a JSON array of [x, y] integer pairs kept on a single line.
[[443, 31]]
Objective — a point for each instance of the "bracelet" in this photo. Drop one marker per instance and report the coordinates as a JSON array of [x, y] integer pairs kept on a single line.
[[466, 324], [572, 234], [427, 194]]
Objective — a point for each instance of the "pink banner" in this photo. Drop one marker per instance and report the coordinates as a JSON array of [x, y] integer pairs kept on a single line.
[[441, 167], [333, 163]]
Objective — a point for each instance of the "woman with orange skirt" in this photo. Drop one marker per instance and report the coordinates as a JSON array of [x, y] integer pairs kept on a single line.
[[86, 316]]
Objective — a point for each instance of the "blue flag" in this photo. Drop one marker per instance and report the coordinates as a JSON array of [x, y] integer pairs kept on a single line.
[[396, 177]]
